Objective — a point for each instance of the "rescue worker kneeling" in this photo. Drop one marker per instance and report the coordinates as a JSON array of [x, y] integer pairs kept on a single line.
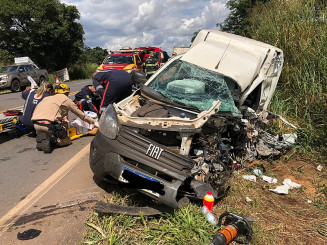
[[49, 119]]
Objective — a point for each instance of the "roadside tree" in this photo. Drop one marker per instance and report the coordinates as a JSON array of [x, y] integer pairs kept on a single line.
[[44, 30], [237, 21]]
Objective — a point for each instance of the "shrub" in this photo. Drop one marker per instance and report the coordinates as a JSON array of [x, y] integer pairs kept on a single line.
[[81, 70]]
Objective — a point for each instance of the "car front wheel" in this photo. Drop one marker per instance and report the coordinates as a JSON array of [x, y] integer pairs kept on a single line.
[[15, 86]]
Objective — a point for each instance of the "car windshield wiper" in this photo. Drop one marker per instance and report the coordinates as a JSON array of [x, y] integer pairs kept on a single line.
[[156, 95]]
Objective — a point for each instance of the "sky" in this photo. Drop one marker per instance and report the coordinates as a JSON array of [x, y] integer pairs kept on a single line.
[[113, 24]]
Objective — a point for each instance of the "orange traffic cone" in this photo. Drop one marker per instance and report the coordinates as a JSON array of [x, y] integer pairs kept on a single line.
[[57, 81]]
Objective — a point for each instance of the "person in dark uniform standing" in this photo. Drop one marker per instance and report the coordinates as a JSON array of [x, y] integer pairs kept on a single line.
[[88, 99], [112, 85]]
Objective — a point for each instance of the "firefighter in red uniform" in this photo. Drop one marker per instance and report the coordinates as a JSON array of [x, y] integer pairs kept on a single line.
[[88, 99]]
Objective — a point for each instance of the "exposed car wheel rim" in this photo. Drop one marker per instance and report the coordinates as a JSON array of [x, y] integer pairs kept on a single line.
[[15, 86]]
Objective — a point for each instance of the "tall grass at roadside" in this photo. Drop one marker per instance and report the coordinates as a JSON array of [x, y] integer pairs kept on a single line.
[[81, 70], [298, 27], [77, 71]]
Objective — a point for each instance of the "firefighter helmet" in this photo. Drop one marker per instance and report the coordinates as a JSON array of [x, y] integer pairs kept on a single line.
[[62, 88]]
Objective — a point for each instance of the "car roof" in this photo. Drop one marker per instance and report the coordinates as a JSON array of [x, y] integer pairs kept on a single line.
[[234, 56]]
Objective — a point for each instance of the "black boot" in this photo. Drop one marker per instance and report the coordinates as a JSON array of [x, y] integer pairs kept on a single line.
[[44, 142]]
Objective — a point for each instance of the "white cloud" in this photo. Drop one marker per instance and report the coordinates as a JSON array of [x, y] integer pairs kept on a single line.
[[165, 23]]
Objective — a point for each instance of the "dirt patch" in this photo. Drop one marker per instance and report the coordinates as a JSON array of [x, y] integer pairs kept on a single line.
[[297, 218]]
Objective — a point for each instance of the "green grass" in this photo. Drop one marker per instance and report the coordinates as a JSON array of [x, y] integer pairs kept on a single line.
[[82, 71], [299, 29], [185, 226]]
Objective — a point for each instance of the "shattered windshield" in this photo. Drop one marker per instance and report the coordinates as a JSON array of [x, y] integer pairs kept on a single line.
[[192, 85]]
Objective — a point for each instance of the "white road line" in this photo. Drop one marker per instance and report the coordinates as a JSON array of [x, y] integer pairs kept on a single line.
[[14, 214]]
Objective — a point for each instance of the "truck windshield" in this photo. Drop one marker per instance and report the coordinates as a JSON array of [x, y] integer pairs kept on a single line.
[[123, 59], [155, 55], [194, 86]]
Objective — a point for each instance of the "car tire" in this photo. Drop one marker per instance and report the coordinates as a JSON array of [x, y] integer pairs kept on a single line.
[[15, 86]]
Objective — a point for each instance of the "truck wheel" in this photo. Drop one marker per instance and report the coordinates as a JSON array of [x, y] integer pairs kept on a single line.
[[15, 86]]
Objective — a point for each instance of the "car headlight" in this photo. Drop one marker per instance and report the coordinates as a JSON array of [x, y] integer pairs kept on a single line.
[[5, 77], [108, 124]]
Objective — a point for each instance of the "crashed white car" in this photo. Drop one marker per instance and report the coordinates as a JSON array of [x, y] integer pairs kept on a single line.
[[178, 136]]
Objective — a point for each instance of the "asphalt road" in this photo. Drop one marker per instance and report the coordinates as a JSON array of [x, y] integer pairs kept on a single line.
[[22, 167]]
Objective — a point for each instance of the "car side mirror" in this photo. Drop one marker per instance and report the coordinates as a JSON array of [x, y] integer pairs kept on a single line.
[[138, 78]]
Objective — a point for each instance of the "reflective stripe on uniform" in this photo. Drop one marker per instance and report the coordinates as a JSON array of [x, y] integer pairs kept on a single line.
[[99, 87]]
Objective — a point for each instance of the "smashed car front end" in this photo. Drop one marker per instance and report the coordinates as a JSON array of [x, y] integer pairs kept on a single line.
[[139, 162], [167, 148], [181, 133]]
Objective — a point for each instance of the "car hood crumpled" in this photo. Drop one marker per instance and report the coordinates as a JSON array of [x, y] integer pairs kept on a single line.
[[236, 57]]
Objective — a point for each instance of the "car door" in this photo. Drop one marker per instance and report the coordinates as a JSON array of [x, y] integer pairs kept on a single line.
[[32, 72], [22, 72]]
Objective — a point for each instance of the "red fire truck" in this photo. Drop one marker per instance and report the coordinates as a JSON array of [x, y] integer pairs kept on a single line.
[[123, 59], [153, 58]]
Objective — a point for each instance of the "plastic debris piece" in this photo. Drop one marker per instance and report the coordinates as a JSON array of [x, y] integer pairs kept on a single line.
[[28, 234], [282, 189], [268, 179], [258, 172], [250, 178], [91, 114], [291, 184], [309, 201], [247, 199], [288, 184], [290, 138], [319, 168], [210, 217]]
